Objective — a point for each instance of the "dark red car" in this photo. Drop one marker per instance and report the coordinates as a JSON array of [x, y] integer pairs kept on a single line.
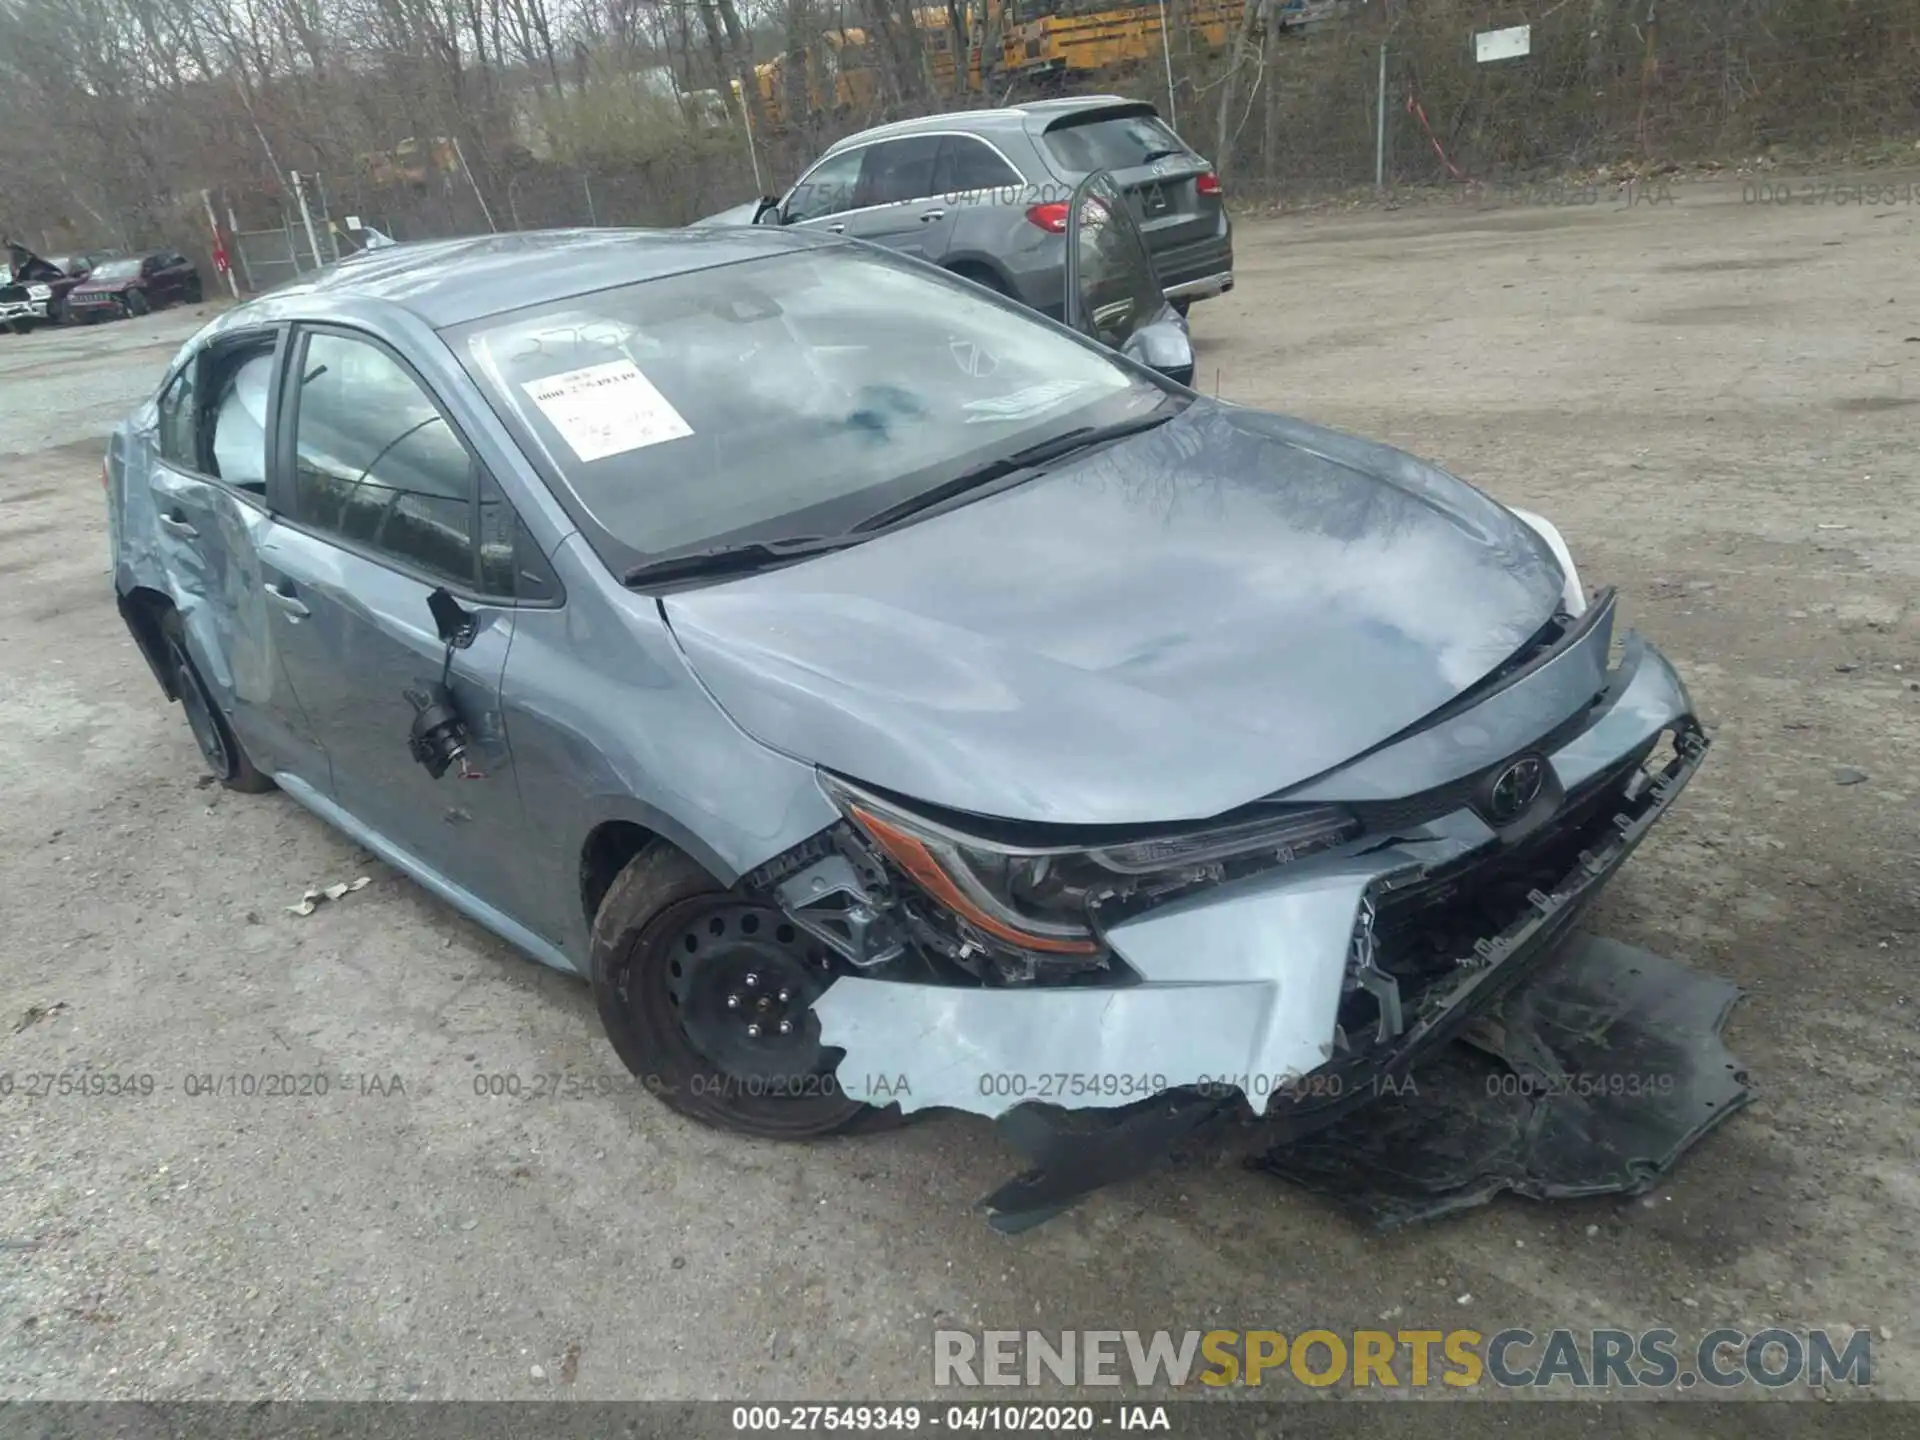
[[117, 289]]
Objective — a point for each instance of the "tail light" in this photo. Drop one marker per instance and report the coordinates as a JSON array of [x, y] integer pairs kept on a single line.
[[1207, 183], [1051, 218]]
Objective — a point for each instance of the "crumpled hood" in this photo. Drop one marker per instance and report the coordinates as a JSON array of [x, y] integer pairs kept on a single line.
[[1186, 621]]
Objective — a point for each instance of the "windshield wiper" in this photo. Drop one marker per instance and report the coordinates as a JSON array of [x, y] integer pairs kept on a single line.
[[729, 559], [1081, 437], [1163, 153]]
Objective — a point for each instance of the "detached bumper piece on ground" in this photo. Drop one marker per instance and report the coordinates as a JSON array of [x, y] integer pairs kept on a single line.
[[1591, 1079]]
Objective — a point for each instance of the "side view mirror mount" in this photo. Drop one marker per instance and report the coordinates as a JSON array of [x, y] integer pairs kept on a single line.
[[767, 212], [453, 621]]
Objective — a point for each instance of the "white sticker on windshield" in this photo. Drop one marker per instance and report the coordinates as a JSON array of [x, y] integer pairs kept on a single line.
[[607, 409]]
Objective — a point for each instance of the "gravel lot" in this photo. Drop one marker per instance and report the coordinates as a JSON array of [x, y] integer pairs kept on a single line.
[[1717, 403]]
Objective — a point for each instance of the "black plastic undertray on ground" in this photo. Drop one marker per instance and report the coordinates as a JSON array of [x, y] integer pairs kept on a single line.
[[1591, 1078]]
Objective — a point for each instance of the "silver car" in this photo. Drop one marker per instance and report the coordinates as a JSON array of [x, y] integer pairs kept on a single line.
[[984, 193], [885, 697]]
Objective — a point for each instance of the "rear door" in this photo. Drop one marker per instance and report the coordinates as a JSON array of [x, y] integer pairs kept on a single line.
[[207, 481], [1171, 191], [381, 501], [897, 203]]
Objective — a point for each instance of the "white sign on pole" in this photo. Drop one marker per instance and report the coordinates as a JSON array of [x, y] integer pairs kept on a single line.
[[1503, 44]]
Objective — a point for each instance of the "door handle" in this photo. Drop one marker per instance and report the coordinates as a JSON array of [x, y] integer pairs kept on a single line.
[[175, 522], [838, 229], [287, 601], [933, 215]]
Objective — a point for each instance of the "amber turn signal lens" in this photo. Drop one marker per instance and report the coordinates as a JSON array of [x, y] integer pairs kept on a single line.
[[921, 863]]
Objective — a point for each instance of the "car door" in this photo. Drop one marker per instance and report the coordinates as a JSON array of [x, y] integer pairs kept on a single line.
[[1113, 291], [380, 499], [172, 277], [207, 481], [820, 198], [896, 203]]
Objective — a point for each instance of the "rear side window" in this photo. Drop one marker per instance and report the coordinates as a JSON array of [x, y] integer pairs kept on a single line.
[[1111, 142], [970, 164], [376, 463]]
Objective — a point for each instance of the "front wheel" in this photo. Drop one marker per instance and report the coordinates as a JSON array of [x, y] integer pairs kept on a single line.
[[137, 303], [220, 748], [707, 997]]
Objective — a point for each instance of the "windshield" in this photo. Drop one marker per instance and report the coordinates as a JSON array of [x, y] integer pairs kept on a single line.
[[779, 397], [117, 270], [1112, 142]]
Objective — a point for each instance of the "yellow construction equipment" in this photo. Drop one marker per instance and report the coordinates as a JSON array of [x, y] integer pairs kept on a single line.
[[1051, 41]]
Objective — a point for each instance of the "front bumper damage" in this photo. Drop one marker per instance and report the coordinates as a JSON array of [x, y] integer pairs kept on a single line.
[[1287, 994], [25, 309]]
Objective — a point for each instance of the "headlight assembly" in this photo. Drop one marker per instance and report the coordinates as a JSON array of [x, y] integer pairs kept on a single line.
[[1041, 899]]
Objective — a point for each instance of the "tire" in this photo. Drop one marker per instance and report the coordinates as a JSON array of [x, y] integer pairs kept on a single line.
[[137, 303], [220, 748], [982, 276], [671, 947], [192, 295]]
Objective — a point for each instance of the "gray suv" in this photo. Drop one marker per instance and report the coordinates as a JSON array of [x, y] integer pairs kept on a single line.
[[984, 193]]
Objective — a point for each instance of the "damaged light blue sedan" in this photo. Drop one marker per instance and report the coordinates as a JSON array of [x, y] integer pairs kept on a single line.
[[885, 697]]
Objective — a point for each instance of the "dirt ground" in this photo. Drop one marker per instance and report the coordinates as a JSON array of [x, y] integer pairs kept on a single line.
[[1716, 401]]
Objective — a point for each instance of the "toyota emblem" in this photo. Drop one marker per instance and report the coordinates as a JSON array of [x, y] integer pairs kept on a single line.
[[1515, 788]]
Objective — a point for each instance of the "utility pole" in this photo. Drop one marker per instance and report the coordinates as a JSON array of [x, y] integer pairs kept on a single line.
[[1380, 125]]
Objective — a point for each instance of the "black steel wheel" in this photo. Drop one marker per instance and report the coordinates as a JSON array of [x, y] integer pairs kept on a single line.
[[225, 758], [707, 997], [136, 302]]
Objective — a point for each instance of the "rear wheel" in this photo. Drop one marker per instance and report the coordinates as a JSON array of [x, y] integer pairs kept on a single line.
[[707, 995], [981, 275], [220, 748]]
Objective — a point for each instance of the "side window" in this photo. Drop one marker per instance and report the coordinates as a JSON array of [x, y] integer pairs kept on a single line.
[[970, 164], [898, 170], [827, 189], [376, 463], [511, 565], [177, 429], [238, 418]]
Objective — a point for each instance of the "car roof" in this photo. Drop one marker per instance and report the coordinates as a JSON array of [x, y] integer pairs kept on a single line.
[[988, 122], [450, 282]]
